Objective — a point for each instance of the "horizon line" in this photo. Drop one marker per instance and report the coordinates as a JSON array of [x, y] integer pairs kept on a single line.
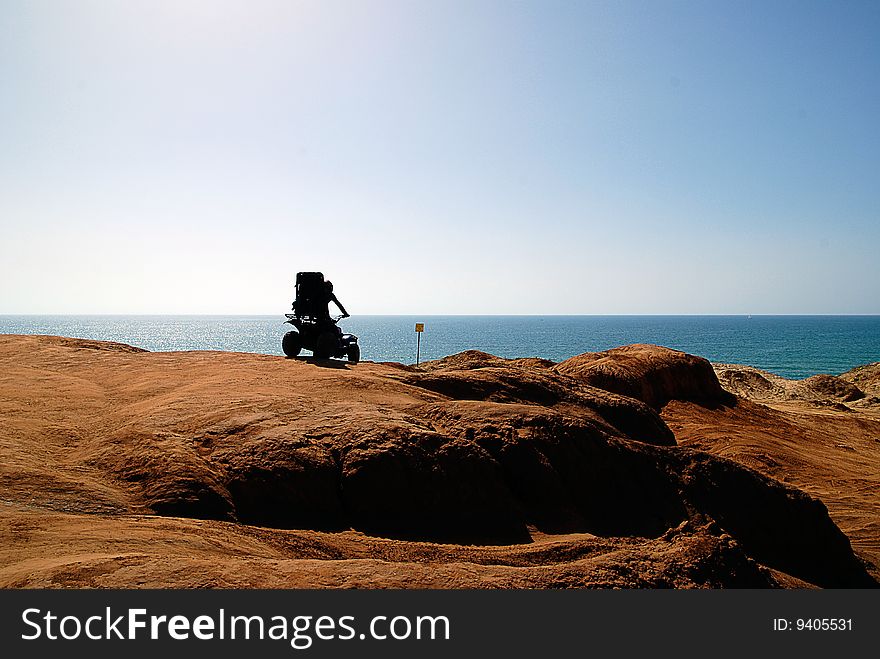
[[457, 315]]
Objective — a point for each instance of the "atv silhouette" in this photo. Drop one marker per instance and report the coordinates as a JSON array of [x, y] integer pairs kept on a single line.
[[316, 329]]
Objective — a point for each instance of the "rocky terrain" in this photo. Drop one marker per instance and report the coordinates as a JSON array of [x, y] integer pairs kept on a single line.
[[636, 467], [855, 390]]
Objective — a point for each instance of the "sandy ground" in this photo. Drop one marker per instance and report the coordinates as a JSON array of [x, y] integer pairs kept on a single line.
[[122, 468], [822, 444]]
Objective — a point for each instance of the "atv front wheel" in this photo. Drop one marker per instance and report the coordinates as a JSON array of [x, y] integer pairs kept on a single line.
[[354, 353]]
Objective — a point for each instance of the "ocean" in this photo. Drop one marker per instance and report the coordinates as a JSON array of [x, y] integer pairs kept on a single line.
[[791, 346]]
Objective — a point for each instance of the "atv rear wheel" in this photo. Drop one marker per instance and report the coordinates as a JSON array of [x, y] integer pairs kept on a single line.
[[291, 344], [326, 345]]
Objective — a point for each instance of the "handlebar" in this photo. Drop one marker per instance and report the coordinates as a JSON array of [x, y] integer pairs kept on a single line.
[[335, 319]]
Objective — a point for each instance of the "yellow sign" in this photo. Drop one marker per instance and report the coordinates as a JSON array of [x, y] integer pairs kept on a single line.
[[420, 327]]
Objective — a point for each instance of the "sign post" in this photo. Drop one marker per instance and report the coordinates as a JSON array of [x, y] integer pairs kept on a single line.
[[420, 327]]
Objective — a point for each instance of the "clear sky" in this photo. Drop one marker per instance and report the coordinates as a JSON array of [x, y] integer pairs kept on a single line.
[[440, 157]]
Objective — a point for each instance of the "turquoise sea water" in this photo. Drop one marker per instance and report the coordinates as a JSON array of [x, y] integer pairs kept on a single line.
[[792, 346]]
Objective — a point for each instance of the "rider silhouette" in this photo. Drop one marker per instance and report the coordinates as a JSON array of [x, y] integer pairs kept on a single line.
[[327, 299]]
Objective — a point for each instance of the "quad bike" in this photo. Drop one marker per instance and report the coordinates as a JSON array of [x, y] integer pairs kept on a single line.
[[315, 329]]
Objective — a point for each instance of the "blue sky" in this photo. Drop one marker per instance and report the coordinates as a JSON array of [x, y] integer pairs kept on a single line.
[[440, 157]]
